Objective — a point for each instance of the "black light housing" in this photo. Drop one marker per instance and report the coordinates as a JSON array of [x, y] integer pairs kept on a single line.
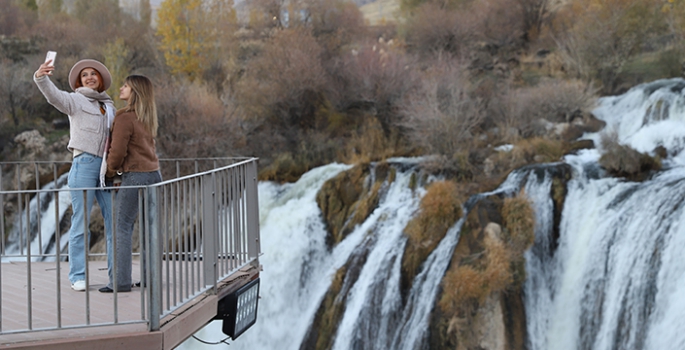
[[238, 310]]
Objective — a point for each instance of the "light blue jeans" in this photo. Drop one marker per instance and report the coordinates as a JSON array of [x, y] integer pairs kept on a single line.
[[84, 173]]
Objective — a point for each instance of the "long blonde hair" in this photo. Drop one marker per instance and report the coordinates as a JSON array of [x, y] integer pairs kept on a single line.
[[142, 102]]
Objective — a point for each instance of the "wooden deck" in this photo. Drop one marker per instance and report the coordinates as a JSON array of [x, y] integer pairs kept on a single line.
[[87, 319]]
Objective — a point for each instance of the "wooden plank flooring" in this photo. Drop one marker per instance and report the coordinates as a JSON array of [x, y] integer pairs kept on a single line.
[[86, 320], [76, 309]]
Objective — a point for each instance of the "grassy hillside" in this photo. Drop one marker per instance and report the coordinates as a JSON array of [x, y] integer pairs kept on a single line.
[[380, 11]]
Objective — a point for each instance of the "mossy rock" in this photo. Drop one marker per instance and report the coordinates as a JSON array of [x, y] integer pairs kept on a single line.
[[440, 209], [348, 199]]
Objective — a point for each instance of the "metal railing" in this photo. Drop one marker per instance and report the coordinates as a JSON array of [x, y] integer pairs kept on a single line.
[[196, 228]]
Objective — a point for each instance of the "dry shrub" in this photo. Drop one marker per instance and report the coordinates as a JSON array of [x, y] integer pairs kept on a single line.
[[466, 287], [535, 14], [552, 100], [499, 22], [194, 123], [434, 29], [460, 286], [334, 23], [527, 151], [441, 117], [623, 161], [439, 209], [498, 276], [283, 86], [314, 149], [15, 19], [458, 167], [437, 27], [519, 224], [372, 80], [369, 143], [536, 150], [596, 39]]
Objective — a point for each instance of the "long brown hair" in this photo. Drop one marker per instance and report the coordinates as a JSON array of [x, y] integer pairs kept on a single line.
[[142, 102]]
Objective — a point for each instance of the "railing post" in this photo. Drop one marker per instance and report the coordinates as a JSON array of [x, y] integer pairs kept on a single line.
[[209, 229], [252, 209], [154, 257]]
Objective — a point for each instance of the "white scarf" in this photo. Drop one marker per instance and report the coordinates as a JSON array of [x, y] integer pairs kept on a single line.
[[109, 113]]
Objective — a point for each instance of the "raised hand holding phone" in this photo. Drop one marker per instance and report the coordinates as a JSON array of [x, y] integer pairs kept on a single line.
[[51, 57]]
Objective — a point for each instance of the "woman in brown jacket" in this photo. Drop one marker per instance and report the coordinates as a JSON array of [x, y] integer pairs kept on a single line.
[[132, 155]]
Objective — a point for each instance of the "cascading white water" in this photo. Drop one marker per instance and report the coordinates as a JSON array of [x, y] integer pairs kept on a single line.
[[611, 280], [298, 270], [41, 210], [614, 281]]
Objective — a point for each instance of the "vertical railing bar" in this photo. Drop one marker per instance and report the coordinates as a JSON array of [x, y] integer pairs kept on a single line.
[[236, 217], [243, 233], [153, 254], [58, 249], [229, 220], [208, 229], [2, 228], [241, 208], [143, 249], [2, 238], [29, 295], [169, 244], [199, 224], [168, 230], [224, 223], [254, 249], [86, 248], [20, 204], [231, 198], [185, 238], [115, 284], [176, 231], [38, 214], [189, 229], [233, 202], [164, 244]]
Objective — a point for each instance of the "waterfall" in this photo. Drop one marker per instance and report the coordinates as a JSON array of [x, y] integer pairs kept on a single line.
[[615, 281], [41, 210], [612, 279]]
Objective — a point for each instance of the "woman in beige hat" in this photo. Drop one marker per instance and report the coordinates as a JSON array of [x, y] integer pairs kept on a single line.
[[90, 112]]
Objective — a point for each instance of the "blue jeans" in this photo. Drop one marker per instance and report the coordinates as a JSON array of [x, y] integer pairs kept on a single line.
[[127, 212], [85, 173]]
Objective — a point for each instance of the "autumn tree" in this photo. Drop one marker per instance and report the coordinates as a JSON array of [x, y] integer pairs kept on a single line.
[[194, 33], [49, 8], [374, 79], [16, 16], [15, 88], [334, 23], [597, 38], [265, 14], [435, 28], [443, 115], [116, 60], [285, 82], [534, 13]]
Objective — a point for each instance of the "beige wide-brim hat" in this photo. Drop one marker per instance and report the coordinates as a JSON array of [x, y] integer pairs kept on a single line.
[[75, 72]]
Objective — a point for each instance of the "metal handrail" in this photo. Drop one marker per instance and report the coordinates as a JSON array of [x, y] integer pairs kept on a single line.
[[205, 227]]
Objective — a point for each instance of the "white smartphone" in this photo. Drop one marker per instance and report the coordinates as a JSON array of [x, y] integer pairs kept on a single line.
[[51, 56]]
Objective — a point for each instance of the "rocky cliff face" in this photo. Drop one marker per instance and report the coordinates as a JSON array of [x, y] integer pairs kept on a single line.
[[480, 304]]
